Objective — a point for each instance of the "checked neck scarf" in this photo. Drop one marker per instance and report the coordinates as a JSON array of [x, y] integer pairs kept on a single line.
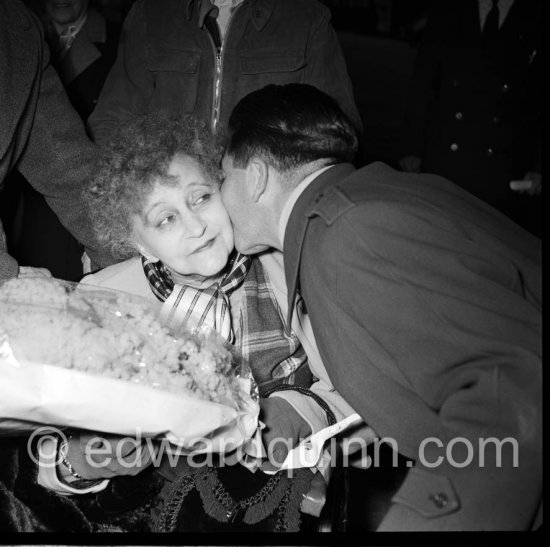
[[196, 308]]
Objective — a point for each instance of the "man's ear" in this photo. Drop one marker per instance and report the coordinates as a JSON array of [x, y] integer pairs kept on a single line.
[[258, 175]]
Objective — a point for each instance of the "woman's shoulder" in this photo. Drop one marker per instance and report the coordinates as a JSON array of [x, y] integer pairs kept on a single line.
[[127, 276]]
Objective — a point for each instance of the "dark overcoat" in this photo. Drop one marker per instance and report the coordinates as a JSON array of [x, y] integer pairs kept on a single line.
[[426, 306]]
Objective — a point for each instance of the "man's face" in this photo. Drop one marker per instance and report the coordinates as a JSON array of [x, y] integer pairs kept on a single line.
[[65, 12], [242, 210]]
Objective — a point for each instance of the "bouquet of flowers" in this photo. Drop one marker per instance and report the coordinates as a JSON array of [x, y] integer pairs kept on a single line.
[[85, 357]]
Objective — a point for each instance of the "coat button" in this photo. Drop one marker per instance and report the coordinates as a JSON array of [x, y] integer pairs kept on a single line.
[[496, 119], [439, 500], [458, 115], [490, 151], [455, 83], [454, 147], [505, 88]]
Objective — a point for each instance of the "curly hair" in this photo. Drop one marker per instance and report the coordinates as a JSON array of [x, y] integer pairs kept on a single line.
[[138, 156]]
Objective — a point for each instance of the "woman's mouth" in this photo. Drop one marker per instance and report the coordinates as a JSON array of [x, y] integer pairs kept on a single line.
[[205, 246]]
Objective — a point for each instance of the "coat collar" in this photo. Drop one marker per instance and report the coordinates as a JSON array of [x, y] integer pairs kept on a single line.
[[84, 51], [297, 226], [260, 15]]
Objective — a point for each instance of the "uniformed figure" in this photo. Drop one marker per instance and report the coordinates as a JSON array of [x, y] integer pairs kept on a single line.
[[475, 102]]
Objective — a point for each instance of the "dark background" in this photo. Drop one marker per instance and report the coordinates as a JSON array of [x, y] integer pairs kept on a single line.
[[380, 39]]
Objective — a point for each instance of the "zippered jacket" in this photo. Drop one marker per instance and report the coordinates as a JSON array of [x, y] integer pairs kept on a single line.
[[168, 60]]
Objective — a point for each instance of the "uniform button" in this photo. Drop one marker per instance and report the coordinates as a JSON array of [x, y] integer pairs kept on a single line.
[[458, 115], [439, 500], [505, 88], [454, 147], [490, 151]]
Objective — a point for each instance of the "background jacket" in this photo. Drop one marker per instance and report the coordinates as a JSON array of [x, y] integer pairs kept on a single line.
[[40, 134], [426, 307], [167, 60], [474, 113]]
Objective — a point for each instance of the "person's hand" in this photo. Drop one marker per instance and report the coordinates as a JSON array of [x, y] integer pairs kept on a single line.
[[31, 271], [285, 428], [95, 456], [523, 187], [411, 163]]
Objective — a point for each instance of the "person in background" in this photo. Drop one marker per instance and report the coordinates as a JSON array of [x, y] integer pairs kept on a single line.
[[425, 302], [200, 57], [474, 108], [83, 48], [42, 137]]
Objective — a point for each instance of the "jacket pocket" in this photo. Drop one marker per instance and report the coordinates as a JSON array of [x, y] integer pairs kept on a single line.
[[264, 61], [175, 79], [261, 67]]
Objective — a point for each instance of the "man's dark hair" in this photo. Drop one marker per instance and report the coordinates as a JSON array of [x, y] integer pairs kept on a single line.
[[288, 126]]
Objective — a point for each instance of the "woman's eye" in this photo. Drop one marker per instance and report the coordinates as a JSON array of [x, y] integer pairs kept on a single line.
[[167, 220], [202, 198]]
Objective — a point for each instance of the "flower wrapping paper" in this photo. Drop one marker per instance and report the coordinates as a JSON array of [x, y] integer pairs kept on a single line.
[[36, 393]]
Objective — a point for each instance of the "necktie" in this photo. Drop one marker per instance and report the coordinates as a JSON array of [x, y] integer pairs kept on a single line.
[[490, 30], [196, 308]]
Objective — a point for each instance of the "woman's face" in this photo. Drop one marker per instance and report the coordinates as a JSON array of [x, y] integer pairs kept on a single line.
[[184, 224], [65, 12]]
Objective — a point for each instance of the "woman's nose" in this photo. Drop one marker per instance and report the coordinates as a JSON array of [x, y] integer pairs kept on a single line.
[[194, 225]]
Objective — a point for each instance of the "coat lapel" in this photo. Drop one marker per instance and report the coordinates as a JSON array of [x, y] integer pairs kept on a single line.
[[297, 227], [84, 51]]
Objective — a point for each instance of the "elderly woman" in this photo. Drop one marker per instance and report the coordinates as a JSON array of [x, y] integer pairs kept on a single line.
[[155, 201]]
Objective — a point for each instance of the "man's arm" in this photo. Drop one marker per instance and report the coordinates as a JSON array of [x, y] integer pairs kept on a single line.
[[59, 160], [129, 83], [8, 265]]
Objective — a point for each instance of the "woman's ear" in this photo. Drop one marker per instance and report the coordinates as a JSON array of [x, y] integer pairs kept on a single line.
[[257, 178], [143, 251]]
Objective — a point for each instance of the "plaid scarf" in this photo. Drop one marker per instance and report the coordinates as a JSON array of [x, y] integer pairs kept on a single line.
[[273, 356], [208, 307]]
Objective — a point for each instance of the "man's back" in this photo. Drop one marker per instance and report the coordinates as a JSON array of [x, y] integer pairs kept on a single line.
[[426, 307]]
